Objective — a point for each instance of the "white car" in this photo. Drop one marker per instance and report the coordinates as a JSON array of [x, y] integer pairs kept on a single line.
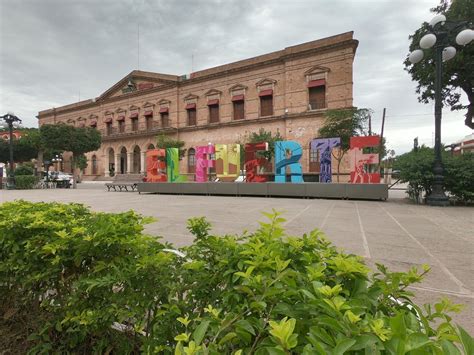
[[63, 179]]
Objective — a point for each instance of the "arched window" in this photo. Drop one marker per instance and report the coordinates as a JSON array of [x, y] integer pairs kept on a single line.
[[94, 165], [191, 161]]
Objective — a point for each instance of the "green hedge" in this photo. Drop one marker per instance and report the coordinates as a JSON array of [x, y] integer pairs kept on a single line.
[[73, 277], [24, 170], [416, 168], [24, 182]]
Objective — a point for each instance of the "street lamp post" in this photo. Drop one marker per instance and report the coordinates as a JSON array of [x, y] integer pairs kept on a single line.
[[10, 120], [440, 30], [57, 159]]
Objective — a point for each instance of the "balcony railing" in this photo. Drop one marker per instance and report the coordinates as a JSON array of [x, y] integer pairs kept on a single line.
[[130, 129]]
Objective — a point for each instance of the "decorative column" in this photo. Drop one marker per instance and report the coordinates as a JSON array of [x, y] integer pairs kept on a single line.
[[143, 162], [129, 162], [117, 164]]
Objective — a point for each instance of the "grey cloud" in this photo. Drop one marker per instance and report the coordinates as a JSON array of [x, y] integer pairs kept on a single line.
[[52, 49]]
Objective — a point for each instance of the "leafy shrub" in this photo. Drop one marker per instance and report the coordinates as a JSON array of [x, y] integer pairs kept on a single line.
[[86, 274], [83, 270], [24, 182], [459, 179], [416, 168], [24, 170]]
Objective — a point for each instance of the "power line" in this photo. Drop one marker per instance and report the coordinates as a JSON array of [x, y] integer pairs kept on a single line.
[[415, 114]]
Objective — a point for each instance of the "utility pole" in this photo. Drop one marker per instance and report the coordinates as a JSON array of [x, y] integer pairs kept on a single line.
[[370, 124], [138, 46], [383, 125], [381, 137]]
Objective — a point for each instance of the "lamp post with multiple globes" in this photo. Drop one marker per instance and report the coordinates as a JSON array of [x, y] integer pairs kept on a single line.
[[10, 121], [57, 159], [440, 31]]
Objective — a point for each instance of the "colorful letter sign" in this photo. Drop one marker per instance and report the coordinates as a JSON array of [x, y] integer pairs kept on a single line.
[[324, 147], [359, 160], [227, 161], [155, 165], [172, 165], [203, 163], [163, 165], [288, 154], [252, 163]]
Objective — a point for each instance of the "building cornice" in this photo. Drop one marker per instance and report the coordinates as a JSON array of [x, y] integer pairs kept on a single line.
[[283, 56], [211, 126]]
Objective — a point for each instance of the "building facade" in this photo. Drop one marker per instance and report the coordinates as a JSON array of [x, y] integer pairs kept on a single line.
[[464, 145], [287, 91], [5, 134]]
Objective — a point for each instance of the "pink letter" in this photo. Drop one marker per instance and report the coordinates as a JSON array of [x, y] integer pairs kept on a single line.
[[203, 162]]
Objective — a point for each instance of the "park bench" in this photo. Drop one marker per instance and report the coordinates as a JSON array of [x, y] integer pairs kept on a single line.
[[124, 182]]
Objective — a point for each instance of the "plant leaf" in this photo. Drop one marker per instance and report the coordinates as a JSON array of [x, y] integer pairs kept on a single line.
[[200, 331]]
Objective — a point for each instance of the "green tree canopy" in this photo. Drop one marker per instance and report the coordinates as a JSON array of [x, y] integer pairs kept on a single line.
[[63, 137], [458, 73], [265, 136], [24, 148], [163, 142], [345, 123]]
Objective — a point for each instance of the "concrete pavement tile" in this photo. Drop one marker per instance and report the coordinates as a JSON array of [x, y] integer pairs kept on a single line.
[[457, 260], [407, 254], [465, 276], [443, 242], [383, 238]]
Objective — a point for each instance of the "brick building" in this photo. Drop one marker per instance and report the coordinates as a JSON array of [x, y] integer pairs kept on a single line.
[[464, 145], [287, 91], [5, 134]]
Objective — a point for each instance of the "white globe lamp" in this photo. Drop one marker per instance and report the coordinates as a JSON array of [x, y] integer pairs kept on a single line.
[[415, 56], [427, 41]]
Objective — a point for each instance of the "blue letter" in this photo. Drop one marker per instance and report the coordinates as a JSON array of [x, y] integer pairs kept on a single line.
[[288, 153]]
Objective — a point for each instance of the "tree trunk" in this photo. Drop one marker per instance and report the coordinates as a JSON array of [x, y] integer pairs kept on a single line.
[[39, 164], [74, 172], [470, 109], [469, 119], [340, 154]]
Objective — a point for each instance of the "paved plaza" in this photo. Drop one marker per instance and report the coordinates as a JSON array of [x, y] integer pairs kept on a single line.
[[395, 233]]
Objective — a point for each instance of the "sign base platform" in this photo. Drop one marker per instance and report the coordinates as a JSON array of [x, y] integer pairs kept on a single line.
[[270, 189]]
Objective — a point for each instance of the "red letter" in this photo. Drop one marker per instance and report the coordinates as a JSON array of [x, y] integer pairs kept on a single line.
[[252, 163]]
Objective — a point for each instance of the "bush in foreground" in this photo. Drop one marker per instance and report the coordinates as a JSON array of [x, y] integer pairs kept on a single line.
[[94, 282]]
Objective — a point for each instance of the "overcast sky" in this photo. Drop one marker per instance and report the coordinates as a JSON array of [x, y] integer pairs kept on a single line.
[[55, 52]]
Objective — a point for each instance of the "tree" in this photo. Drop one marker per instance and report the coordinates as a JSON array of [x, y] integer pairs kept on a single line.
[[78, 141], [261, 136], [344, 123], [163, 142], [458, 73], [81, 164], [265, 136], [24, 148]]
